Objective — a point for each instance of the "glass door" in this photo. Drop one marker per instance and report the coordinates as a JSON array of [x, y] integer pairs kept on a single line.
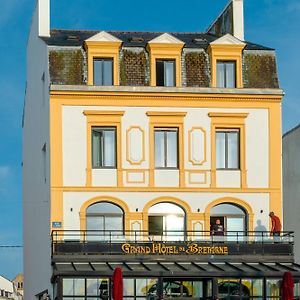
[[236, 224]]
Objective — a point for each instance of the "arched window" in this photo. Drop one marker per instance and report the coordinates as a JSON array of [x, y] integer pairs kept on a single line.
[[104, 217], [166, 219], [232, 217]]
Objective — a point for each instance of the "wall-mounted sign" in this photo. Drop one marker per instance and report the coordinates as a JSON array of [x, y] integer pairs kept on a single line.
[[162, 248], [170, 248], [56, 224]]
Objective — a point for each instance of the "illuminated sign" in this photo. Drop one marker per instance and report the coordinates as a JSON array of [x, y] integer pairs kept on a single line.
[[162, 248]]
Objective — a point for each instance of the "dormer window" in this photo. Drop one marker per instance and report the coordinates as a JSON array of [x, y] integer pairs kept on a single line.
[[165, 72], [226, 74], [103, 71]]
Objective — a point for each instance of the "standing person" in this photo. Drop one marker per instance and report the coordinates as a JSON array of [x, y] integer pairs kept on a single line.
[[218, 229], [276, 225]]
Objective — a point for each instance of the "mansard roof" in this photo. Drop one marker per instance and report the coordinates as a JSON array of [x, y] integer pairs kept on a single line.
[[137, 38]]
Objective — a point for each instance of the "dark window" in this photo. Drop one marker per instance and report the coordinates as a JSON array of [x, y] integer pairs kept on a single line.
[[226, 74], [103, 71], [166, 148], [104, 147], [227, 149], [165, 72]]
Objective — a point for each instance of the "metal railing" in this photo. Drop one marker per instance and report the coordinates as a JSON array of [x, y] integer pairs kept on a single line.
[[140, 236]]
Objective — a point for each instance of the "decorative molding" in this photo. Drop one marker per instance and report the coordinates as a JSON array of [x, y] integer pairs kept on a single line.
[[163, 120], [227, 39], [103, 49], [166, 38], [103, 113], [103, 36], [227, 49], [136, 171], [227, 115], [114, 200], [247, 207], [191, 172], [165, 114], [229, 121], [191, 141], [103, 118], [129, 156]]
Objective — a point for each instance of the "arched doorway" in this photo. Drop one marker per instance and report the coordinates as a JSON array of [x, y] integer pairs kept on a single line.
[[232, 217], [166, 220], [104, 220]]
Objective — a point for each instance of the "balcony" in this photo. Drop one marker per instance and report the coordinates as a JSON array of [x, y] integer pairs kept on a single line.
[[200, 244]]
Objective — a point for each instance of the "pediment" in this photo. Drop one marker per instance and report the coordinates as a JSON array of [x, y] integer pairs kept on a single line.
[[166, 38], [227, 39], [103, 36]]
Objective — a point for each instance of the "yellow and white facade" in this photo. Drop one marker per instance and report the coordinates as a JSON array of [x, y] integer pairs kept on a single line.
[[60, 181], [135, 184]]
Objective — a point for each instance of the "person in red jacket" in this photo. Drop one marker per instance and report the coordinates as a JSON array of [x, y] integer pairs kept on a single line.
[[276, 224]]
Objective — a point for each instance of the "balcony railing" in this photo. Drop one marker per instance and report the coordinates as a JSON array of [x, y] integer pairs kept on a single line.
[[114, 241]]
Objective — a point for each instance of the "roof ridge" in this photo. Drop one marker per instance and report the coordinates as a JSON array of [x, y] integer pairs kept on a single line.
[[127, 31]]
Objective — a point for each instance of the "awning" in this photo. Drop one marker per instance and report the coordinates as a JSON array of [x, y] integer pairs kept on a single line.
[[176, 268]]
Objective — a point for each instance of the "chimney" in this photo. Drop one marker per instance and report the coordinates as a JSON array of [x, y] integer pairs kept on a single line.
[[43, 7], [238, 19], [230, 20]]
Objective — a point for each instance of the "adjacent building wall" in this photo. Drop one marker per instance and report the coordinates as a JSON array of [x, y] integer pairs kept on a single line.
[[36, 205], [291, 185]]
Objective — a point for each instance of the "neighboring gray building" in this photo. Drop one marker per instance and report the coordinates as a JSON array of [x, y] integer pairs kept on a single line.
[[291, 184]]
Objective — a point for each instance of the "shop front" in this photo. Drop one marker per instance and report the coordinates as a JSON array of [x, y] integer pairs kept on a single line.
[[207, 269]]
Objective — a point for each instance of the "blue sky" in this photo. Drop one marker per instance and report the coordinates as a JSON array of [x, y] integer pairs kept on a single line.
[[273, 23]]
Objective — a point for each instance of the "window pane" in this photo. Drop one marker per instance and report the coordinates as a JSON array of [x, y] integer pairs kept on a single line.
[[92, 287], [160, 73], [68, 286], [107, 72], [166, 208], [128, 287], [174, 223], [96, 137], [230, 74], [220, 150], [257, 287], [109, 148], [169, 73], [97, 72], [79, 287], [104, 207], [171, 149], [141, 287], [273, 287], [159, 149], [95, 223], [114, 223], [233, 150], [220, 74], [155, 225]]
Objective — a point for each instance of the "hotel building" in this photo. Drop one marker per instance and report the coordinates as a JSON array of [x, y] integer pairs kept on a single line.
[[155, 152]]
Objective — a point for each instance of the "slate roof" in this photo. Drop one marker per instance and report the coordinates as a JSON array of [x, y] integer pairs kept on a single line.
[[137, 39]]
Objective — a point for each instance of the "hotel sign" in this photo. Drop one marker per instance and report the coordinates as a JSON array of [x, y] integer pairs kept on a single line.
[[170, 248], [163, 248]]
